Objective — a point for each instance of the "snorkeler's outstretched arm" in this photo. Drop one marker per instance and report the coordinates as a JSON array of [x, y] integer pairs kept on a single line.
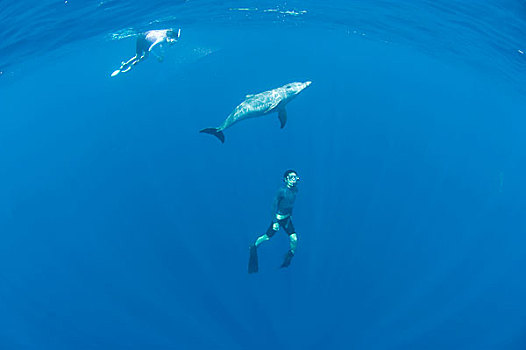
[[156, 42], [159, 55], [157, 49]]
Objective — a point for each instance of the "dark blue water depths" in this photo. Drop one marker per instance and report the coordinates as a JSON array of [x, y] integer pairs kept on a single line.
[[123, 227]]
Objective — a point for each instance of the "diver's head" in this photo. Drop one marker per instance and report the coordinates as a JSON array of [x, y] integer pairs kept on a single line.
[[172, 35], [291, 178]]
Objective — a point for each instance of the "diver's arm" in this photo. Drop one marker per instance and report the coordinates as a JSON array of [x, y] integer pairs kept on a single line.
[[157, 42], [158, 56], [158, 51], [275, 204]]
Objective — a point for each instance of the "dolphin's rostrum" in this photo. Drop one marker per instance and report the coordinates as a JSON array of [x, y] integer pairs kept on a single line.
[[261, 104]]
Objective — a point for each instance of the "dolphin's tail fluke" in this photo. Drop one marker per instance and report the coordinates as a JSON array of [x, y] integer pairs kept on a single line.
[[216, 132]]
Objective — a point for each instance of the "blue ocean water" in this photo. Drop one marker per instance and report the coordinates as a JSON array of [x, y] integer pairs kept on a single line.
[[122, 227]]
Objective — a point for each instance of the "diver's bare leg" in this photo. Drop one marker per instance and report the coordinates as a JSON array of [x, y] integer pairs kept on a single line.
[[126, 66], [261, 239]]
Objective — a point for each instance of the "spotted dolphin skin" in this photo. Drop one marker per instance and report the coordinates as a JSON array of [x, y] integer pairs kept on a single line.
[[261, 104]]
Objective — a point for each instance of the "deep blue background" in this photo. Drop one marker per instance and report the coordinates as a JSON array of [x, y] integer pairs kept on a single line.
[[123, 227]]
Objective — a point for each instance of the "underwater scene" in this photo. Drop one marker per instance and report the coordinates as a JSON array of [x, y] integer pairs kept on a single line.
[[263, 175]]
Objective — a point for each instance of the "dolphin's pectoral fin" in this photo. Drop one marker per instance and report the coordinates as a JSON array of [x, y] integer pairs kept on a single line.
[[273, 106], [282, 115]]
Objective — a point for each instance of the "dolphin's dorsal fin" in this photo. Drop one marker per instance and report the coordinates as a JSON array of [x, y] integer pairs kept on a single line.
[[282, 115], [249, 95]]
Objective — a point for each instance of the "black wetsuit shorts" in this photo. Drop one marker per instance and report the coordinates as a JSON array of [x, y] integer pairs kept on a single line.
[[142, 46], [285, 224]]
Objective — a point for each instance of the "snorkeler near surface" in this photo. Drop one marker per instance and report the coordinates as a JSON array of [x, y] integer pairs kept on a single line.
[[282, 212], [146, 43], [259, 105]]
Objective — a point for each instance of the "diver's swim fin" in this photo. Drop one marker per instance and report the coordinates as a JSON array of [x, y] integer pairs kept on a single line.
[[287, 259], [253, 260], [216, 132]]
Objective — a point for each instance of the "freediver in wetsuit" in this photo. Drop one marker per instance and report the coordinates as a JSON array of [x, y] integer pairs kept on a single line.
[[282, 212], [146, 42]]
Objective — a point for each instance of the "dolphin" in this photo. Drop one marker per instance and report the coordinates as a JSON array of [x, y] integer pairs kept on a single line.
[[260, 104]]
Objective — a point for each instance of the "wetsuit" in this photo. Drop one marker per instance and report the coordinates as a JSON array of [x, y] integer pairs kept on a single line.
[[146, 40], [143, 46], [282, 210]]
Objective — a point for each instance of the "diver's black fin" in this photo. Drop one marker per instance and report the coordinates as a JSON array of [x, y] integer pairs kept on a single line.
[[288, 258], [216, 132], [253, 260], [282, 115]]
